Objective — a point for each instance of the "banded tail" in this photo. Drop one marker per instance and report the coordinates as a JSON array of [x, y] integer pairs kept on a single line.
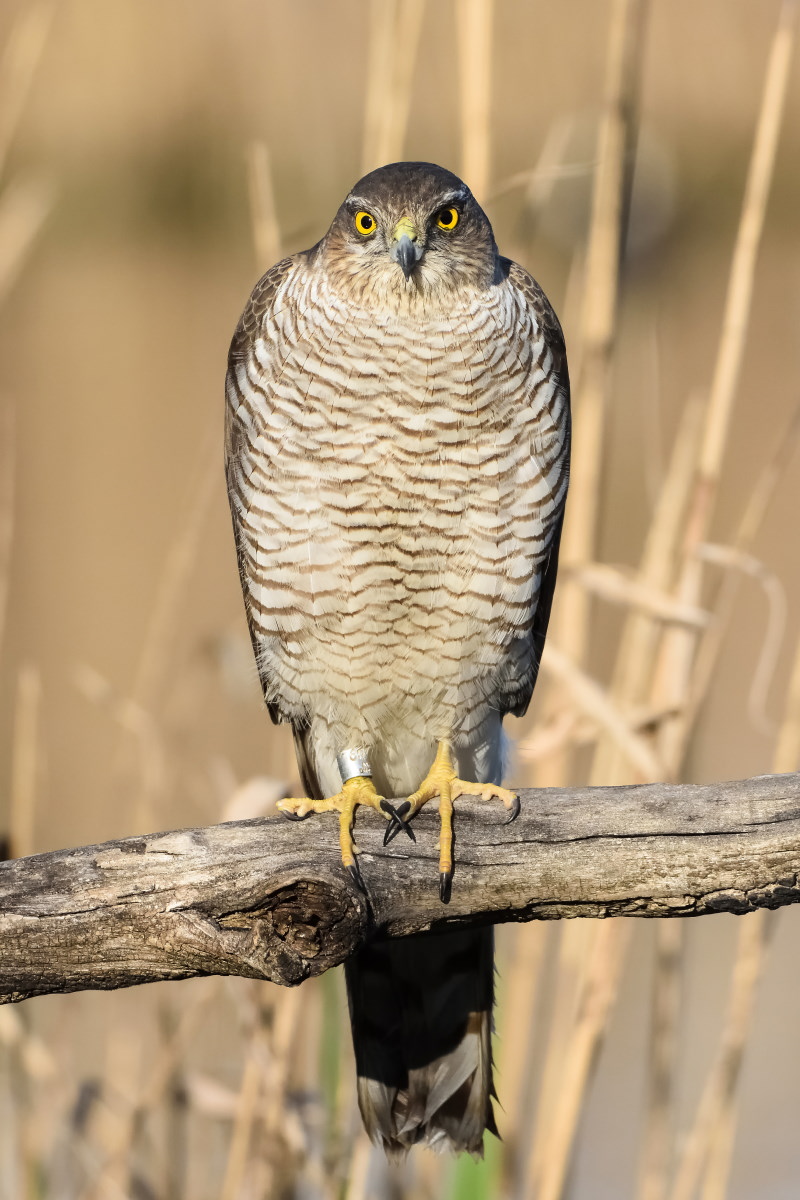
[[421, 1015]]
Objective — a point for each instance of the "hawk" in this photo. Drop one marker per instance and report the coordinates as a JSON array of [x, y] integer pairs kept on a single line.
[[397, 457]]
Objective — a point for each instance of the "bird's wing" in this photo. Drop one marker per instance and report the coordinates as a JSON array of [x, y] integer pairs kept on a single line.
[[558, 374], [240, 428]]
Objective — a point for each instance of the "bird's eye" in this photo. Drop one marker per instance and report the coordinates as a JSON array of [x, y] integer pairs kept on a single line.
[[365, 223], [447, 218]]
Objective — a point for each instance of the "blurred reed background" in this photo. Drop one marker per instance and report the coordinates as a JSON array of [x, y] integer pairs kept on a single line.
[[641, 160]]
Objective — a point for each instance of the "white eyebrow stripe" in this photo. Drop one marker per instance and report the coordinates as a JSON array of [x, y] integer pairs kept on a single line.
[[457, 194]]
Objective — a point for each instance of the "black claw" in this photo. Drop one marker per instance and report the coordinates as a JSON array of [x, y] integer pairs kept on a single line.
[[445, 881], [397, 823], [392, 831], [290, 816], [514, 810], [354, 871]]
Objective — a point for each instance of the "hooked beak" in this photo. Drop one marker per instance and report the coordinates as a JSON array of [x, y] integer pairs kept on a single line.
[[406, 249]]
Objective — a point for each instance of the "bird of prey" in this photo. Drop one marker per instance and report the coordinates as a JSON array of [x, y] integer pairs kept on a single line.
[[397, 456]]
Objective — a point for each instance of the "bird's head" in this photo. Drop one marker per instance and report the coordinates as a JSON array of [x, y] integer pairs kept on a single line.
[[410, 231]]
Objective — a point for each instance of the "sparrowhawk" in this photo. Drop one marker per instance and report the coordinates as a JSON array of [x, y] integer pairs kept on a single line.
[[397, 452]]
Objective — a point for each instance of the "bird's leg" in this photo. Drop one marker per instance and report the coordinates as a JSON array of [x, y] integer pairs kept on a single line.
[[357, 790], [442, 781]]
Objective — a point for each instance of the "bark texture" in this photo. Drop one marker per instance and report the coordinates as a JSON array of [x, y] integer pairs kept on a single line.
[[269, 898]]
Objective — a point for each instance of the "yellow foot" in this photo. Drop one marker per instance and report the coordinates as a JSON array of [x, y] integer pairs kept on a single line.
[[358, 790], [443, 782]]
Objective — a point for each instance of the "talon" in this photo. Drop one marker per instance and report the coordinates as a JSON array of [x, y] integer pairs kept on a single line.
[[398, 823], [513, 811], [292, 816], [445, 881], [354, 871], [392, 831]]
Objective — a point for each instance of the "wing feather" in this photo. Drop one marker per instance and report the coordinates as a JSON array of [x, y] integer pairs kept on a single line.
[[550, 326], [241, 352]]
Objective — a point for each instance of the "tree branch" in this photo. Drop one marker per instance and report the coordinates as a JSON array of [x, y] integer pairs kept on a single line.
[[269, 898]]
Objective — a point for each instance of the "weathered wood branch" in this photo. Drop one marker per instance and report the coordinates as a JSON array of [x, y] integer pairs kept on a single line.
[[269, 898]]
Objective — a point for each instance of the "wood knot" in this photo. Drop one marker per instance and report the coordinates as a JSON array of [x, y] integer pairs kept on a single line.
[[299, 930]]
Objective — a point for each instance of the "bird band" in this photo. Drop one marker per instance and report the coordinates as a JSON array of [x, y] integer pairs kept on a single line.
[[352, 762]]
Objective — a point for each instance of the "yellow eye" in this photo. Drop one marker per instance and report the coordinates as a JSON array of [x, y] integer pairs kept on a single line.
[[447, 218], [365, 223]]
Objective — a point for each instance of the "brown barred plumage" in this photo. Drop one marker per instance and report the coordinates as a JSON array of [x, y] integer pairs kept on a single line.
[[397, 462]]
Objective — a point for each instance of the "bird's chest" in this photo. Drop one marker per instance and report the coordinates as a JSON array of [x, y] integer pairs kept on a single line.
[[393, 464], [400, 458]]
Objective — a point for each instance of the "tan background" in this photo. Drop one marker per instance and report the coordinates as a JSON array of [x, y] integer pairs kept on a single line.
[[113, 345]]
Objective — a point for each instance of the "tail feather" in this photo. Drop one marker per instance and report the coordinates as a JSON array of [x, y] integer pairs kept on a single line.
[[421, 1012]]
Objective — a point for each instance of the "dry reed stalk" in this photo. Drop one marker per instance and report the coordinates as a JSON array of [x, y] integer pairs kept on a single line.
[[21, 1143], [154, 1089], [597, 998], [656, 1145], [430, 1175], [519, 1010], [733, 559], [346, 1117], [175, 1117], [9, 1108], [24, 207], [787, 749], [25, 761], [395, 27], [720, 1155], [34, 1054], [122, 1074], [263, 212], [474, 20], [720, 1088], [7, 494], [242, 1129], [358, 1175], [21, 57], [749, 526], [290, 1008], [740, 290], [595, 702], [610, 202], [679, 646], [575, 943], [550, 166], [632, 677], [273, 1044], [625, 589]]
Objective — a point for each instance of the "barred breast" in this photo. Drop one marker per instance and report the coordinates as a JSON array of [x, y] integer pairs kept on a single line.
[[396, 480]]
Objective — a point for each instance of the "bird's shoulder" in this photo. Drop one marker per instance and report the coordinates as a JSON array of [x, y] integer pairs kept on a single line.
[[261, 302], [534, 297]]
